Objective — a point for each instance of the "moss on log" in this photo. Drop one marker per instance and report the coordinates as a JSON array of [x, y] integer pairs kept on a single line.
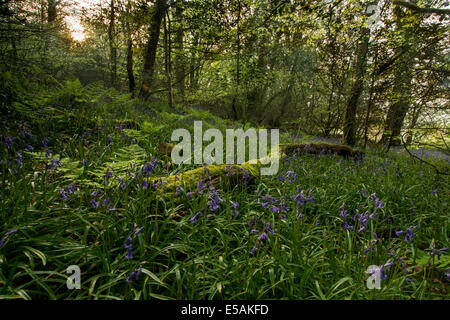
[[322, 148], [220, 176]]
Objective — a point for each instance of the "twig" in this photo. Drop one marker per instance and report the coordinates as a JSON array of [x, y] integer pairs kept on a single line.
[[421, 160]]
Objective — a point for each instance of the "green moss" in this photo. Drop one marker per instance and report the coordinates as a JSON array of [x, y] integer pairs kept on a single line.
[[219, 175]]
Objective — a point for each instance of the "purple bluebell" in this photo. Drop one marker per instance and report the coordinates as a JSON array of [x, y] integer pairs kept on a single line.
[[7, 234], [235, 207], [94, 203], [194, 218]]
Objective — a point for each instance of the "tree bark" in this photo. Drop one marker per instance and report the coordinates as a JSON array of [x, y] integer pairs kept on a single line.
[[403, 75], [180, 73], [168, 62], [112, 47], [152, 44], [349, 136], [51, 10]]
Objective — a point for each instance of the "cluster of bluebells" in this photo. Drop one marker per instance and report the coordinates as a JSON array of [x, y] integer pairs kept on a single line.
[[268, 201], [435, 252], [372, 244], [161, 183], [382, 270], [230, 171], [288, 176], [95, 201], [301, 199], [67, 191], [11, 163], [54, 163], [82, 163], [409, 235], [400, 260], [137, 272], [214, 199], [235, 206], [151, 166], [7, 234], [360, 220], [378, 203], [128, 243], [261, 235], [45, 143]]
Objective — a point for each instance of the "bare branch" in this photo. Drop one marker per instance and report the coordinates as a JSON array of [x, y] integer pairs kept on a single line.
[[422, 160], [418, 9]]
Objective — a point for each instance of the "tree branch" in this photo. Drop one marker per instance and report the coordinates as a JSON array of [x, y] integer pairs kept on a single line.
[[418, 9], [421, 160]]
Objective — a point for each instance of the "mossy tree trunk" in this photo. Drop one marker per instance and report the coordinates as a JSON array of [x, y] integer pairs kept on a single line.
[[150, 52]]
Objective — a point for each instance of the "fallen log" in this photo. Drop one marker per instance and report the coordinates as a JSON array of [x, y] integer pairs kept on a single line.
[[321, 148], [219, 176]]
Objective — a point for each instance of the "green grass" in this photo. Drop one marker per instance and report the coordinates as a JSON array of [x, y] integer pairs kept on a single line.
[[307, 257]]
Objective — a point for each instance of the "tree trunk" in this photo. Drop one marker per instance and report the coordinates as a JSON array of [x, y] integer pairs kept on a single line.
[[152, 44], [179, 58], [168, 62], [112, 47], [130, 71], [193, 64], [349, 136], [51, 10], [403, 75]]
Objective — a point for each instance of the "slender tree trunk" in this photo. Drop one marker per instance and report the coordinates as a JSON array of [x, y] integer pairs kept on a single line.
[[112, 47], [152, 44], [130, 71], [193, 65], [349, 136], [179, 58], [234, 105], [168, 62], [51, 10]]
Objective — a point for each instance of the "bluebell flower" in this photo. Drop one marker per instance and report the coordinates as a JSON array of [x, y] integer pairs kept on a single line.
[[94, 203], [347, 226], [235, 207], [194, 218], [213, 205], [201, 186], [131, 276], [139, 231], [268, 227], [7, 234], [129, 254], [128, 243]]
